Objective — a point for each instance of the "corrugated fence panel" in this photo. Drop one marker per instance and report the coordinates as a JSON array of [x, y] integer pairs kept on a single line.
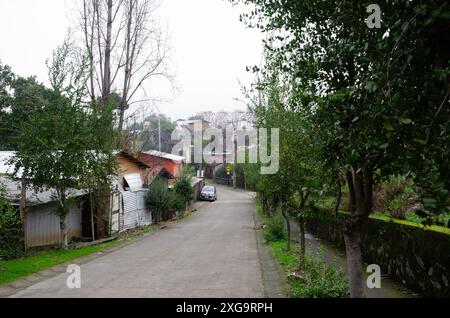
[[135, 213], [42, 227]]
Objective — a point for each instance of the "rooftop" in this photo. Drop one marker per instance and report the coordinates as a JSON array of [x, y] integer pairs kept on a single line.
[[164, 155]]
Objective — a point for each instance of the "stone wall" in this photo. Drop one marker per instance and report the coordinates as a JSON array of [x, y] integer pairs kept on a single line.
[[416, 256]]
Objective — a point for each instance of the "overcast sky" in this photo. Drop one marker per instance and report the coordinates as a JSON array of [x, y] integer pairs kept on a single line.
[[210, 48]]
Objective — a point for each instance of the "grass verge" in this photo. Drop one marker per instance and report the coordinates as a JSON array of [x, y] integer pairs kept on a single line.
[[316, 280], [15, 269]]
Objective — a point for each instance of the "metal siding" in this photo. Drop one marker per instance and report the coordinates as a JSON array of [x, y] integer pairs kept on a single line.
[[42, 228], [135, 213]]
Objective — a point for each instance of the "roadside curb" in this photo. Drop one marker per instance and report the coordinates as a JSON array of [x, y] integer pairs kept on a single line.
[[274, 282]]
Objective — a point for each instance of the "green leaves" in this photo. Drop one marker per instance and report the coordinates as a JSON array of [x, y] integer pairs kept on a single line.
[[371, 86], [405, 121]]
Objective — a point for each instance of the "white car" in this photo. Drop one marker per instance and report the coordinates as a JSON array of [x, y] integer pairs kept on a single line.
[[209, 193]]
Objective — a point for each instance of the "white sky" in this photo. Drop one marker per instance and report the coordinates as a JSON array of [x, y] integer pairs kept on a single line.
[[210, 48]]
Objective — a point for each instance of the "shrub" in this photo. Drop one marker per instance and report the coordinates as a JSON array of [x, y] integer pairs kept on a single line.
[[159, 199], [184, 190], [319, 279], [275, 229], [395, 196], [11, 236]]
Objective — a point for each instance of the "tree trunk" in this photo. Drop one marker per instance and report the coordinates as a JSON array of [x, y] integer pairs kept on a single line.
[[108, 43], [360, 189], [91, 203], [301, 221], [62, 219], [338, 196], [288, 228], [354, 259], [63, 230]]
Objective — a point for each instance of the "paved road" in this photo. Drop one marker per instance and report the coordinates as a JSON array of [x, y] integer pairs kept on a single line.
[[212, 254]]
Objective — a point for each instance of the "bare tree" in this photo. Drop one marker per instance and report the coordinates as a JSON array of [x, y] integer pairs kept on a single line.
[[125, 47]]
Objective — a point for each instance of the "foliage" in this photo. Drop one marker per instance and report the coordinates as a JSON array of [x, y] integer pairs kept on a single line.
[[275, 229], [148, 138], [62, 144], [160, 199], [396, 196], [376, 97], [320, 280], [183, 187], [6, 80], [11, 236], [410, 253]]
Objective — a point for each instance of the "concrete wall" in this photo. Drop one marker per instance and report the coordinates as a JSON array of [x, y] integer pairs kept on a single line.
[[415, 256]]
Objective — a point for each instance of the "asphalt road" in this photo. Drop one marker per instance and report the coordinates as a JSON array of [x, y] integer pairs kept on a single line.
[[212, 254]]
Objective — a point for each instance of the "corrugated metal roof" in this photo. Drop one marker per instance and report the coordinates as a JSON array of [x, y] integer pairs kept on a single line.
[[164, 155], [13, 190], [134, 181]]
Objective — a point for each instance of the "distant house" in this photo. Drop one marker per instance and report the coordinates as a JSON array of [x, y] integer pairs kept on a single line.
[[156, 160], [42, 222], [191, 124]]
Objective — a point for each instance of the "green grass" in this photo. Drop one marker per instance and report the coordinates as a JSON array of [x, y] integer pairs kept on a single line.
[[320, 279], [19, 268]]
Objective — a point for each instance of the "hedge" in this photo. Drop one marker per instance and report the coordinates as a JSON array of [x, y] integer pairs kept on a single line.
[[417, 256]]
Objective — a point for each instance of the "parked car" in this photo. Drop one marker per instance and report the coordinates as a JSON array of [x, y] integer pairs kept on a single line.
[[209, 193]]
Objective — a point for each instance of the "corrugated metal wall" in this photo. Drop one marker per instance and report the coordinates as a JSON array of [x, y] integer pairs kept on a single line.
[[42, 228], [135, 213]]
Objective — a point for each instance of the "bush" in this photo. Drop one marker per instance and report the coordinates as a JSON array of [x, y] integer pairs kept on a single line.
[[11, 236], [275, 229], [183, 188], [395, 196], [319, 279], [159, 199]]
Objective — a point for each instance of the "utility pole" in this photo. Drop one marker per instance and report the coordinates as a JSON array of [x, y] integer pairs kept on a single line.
[[159, 131]]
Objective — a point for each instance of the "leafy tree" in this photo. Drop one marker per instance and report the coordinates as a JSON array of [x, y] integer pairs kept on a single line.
[[54, 141], [6, 80], [148, 136], [377, 95]]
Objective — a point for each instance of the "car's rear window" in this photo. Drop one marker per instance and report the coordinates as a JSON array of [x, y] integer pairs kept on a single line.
[[208, 189]]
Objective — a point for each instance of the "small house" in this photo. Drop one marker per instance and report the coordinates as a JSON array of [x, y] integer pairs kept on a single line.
[[42, 221], [156, 160]]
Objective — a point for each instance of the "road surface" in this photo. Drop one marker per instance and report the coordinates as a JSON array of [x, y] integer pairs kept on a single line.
[[212, 254]]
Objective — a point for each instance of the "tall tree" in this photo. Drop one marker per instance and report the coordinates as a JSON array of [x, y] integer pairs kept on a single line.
[[125, 49], [59, 141], [376, 91], [6, 81]]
